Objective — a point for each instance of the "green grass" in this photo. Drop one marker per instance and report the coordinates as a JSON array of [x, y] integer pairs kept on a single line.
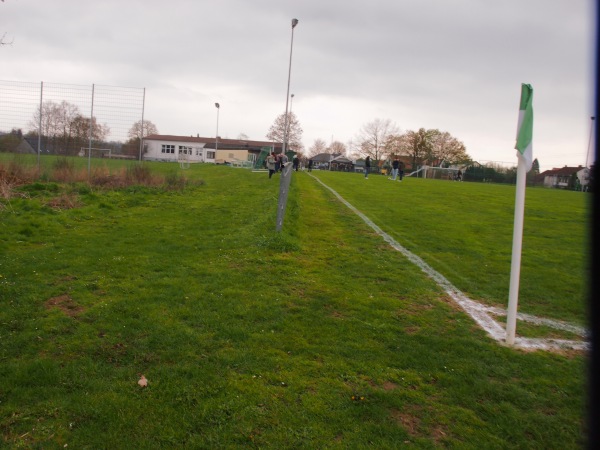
[[465, 231], [318, 337]]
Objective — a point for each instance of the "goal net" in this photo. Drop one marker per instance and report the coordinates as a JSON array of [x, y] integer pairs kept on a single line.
[[436, 173]]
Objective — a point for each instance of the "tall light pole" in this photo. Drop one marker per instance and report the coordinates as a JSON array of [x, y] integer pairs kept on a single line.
[[287, 130], [590, 141], [217, 135], [287, 96]]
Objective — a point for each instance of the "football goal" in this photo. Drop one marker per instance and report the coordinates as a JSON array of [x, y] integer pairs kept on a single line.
[[439, 173], [96, 152]]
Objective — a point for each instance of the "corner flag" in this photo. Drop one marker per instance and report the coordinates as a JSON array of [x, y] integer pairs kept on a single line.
[[525, 126], [524, 138]]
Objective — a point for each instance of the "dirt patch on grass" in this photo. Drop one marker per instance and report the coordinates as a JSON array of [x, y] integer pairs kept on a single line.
[[415, 428], [409, 422], [337, 315], [66, 304], [389, 386]]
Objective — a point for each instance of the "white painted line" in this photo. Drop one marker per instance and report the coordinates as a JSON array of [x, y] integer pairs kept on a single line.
[[480, 313]]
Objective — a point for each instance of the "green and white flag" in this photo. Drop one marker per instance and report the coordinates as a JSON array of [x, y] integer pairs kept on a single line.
[[525, 126]]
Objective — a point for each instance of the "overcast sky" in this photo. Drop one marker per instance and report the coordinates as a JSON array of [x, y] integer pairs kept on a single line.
[[454, 65]]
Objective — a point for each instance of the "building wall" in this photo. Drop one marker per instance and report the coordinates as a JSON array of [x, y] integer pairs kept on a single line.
[[193, 152], [229, 155]]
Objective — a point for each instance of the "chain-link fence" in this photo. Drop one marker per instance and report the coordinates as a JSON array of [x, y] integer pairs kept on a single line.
[[70, 120]]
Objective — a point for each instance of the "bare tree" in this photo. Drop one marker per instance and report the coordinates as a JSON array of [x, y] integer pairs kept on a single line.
[[337, 148], [63, 127], [372, 137], [319, 146], [135, 132], [57, 125], [277, 132]]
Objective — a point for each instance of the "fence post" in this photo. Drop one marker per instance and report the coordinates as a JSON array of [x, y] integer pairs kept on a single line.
[[284, 187], [142, 127], [91, 131], [40, 128]]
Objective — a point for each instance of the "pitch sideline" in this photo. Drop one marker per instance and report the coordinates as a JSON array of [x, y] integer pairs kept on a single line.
[[480, 313]]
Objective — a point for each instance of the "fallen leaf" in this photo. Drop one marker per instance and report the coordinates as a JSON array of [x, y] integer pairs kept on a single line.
[[143, 382]]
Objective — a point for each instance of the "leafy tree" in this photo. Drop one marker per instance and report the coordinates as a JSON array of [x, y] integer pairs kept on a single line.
[[373, 136], [416, 144], [277, 132], [10, 142], [447, 149], [432, 147]]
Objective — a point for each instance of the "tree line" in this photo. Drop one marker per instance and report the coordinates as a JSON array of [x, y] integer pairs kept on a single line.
[[382, 139], [65, 131]]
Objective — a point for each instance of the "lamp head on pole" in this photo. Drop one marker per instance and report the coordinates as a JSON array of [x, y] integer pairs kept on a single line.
[[294, 23], [217, 105]]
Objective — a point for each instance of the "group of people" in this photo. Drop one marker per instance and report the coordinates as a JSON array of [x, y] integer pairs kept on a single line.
[[276, 162], [397, 169]]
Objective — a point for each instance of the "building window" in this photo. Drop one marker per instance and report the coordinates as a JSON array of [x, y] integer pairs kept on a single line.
[[167, 148], [185, 150], [210, 155], [198, 152]]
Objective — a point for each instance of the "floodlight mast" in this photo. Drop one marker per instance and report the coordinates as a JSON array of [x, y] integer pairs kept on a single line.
[[287, 97]]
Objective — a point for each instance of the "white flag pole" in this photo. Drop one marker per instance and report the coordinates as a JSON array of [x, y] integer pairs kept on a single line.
[[515, 267]]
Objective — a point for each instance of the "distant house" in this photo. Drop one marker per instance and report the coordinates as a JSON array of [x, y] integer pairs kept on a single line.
[[322, 160], [563, 177], [159, 147], [342, 164]]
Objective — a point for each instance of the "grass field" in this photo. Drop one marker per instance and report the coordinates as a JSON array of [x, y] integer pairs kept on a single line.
[[317, 337]]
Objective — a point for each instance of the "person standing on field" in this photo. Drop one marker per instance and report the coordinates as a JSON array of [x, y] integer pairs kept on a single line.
[[395, 165], [367, 166], [271, 159]]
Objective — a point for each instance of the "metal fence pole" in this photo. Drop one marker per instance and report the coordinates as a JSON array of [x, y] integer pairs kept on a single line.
[[40, 128], [91, 131], [142, 132]]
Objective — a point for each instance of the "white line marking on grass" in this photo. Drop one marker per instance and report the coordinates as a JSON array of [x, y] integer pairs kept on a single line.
[[482, 314]]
